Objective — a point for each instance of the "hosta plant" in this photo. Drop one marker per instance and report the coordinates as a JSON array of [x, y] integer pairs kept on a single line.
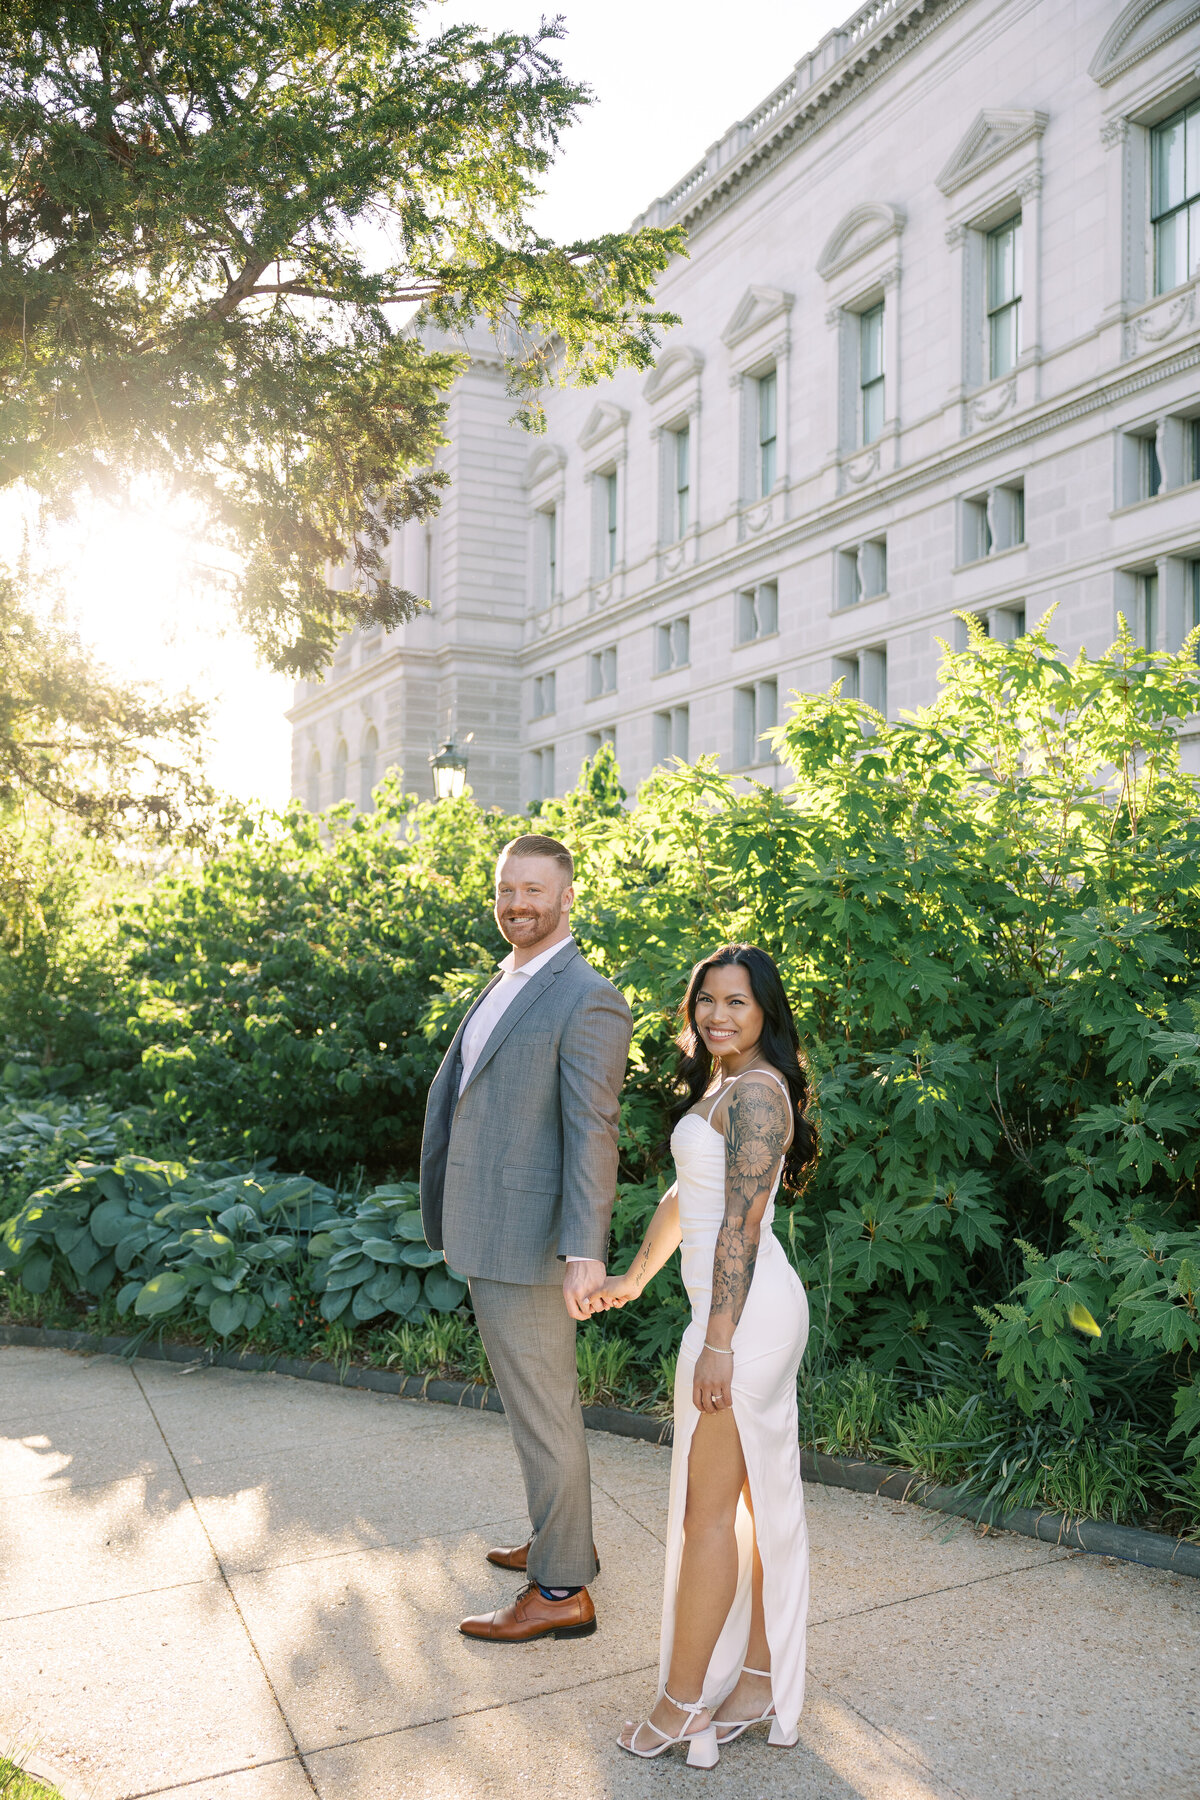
[[222, 1245]]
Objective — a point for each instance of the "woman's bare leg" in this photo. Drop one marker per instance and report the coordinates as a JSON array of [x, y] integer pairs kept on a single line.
[[752, 1693], [708, 1568]]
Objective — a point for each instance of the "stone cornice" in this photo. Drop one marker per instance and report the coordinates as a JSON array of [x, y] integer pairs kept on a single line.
[[703, 197]]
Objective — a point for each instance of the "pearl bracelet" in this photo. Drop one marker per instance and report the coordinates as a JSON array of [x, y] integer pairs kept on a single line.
[[717, 1348]]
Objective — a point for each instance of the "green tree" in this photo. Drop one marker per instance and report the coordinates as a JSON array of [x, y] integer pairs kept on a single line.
[[208, 218]]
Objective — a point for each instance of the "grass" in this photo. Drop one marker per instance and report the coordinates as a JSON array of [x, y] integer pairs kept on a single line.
[[15, 1784]]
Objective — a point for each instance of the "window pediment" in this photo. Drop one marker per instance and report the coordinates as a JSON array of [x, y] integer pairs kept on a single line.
[[673, 368], [545, 461], [758, 306], [1141, 28], [994, 133], [604, 420], [862, 229]]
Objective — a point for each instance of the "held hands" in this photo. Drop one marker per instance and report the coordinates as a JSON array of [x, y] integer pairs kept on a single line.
[[582, 1285], [712, 1383], [587, 1291], [618, 1290]]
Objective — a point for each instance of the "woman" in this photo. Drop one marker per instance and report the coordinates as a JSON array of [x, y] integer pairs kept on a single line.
[[736, 1593]]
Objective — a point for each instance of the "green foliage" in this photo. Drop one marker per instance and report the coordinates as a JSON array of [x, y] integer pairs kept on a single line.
[[211, 215], [16, 1784], [846, 1413], [224, 1246], [987, 916], [273, 1002], [41, 1129]]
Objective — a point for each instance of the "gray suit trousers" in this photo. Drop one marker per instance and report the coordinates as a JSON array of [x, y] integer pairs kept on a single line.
[[530, 1340]]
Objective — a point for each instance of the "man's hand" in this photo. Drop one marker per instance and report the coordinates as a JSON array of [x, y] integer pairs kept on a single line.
[[581, 1284]]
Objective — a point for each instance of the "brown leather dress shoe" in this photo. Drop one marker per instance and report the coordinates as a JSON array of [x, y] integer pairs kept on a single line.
[[518, 1558], [532, 1616]]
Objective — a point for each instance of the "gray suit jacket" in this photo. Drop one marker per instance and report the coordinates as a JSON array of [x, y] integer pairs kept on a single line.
[[521, 1170]]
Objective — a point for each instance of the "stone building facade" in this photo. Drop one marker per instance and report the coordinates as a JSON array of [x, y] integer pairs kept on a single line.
[[940, 352]]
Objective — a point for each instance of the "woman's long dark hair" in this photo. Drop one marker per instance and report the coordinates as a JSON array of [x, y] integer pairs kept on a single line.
[[779, 1045]]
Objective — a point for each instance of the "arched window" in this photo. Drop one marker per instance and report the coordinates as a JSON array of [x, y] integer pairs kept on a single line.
[[367, 768], [340, 761], [312, 789]]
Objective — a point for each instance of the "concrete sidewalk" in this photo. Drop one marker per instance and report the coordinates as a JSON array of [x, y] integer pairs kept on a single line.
[[244, 1587]]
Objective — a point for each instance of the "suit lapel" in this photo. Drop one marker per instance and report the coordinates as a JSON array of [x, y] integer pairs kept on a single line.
[[516, 1009], [452, 1061]]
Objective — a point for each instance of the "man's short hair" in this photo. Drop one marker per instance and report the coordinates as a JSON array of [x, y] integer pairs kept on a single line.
[[532, 844]]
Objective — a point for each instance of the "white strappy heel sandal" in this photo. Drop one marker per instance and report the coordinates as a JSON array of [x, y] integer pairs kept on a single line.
[[703, 1752], [733, 1728]]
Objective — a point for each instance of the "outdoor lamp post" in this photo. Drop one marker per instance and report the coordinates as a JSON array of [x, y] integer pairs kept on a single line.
[[449, 766]]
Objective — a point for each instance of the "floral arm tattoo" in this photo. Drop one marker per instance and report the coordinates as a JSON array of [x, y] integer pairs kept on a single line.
[[756, 1132]]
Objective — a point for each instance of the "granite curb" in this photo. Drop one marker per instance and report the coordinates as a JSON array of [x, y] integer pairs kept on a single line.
[[1151, 1549]]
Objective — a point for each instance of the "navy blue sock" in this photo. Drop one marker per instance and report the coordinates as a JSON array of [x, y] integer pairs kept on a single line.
[[549, 1593]]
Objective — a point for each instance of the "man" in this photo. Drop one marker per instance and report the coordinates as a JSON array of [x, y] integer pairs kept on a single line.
[[518, 1176]]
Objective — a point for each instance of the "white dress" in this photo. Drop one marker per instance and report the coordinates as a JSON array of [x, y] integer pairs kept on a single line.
[[767, 1346]]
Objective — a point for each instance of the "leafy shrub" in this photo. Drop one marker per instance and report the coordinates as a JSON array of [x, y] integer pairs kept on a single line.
[[41, 1129], [221, 1246], [272, 1001], [988, 916], [379, 1262]]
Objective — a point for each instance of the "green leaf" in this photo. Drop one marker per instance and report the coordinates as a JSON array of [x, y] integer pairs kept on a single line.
[[420, 1256], [444, 1291], [110, 1221], [227, 1312], [162, 1294], [34, 1273]]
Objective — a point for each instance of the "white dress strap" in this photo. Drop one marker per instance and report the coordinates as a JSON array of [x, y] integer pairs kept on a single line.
[[787, 1094]]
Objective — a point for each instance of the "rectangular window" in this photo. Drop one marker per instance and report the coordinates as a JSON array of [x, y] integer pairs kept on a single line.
[[671, 734], [596, 740], [550, 543], [862, 572], [870, 373], [1175, 198], [767, 430], [1146, 624], [543, 694], [845, 670], [681, 469], [754, 711], [610, 521], [1193, 615], [1004, 297], [542, 774], [602, 672], [1192, 461], [757, 612], [863, 675], [673, 649], [1150, 473], [993, 521]]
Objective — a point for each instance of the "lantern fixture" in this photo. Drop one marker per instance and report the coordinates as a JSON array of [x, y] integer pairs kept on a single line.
[[449, 768]]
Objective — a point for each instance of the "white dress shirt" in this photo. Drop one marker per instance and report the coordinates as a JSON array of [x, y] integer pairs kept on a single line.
[[492, 1009]]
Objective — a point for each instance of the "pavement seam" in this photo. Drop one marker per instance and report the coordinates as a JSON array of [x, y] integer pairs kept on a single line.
[[472, 1712], [953, 1587], [369, 1737], [661, 1542], [233, 1600], [181, 1787], [170, 1587]]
